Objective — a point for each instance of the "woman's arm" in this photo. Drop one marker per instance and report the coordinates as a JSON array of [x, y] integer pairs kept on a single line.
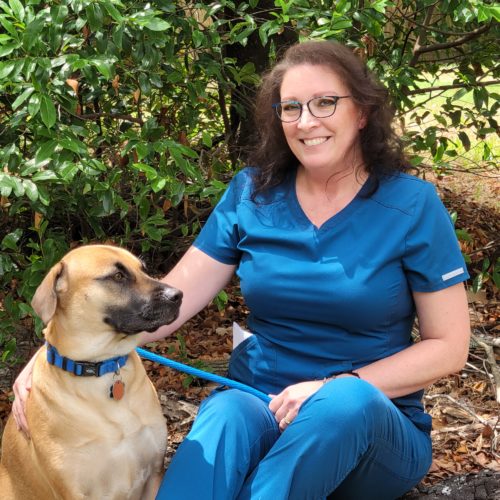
[[444, 331], [200, 278]]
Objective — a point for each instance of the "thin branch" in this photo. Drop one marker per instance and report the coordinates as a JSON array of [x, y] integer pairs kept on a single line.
[[422, 35], [488, 246], [419, 50], [452, 86], [116, 116], [457, 403], [494, 369], [432, 28], [223, 110]]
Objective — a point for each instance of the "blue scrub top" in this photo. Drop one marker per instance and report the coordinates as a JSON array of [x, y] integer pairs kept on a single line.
[[338, 297]]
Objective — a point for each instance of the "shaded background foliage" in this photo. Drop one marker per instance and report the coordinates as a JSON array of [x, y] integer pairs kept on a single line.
[[123, 121]]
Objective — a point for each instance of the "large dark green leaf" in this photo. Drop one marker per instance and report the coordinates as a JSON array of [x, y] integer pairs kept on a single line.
[[47, 111]]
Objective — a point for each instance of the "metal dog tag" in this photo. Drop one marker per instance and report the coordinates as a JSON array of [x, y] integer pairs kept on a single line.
[[117, 390]]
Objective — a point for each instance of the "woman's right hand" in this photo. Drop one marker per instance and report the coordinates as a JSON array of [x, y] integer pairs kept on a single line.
[[22, 388]]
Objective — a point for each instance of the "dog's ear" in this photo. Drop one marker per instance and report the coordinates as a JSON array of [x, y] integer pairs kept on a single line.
[[44, 301]]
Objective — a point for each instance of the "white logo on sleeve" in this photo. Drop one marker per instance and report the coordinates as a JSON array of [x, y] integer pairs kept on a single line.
[[452, 274]]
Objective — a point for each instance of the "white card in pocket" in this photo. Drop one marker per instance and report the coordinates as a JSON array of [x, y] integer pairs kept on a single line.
[[239, 335]]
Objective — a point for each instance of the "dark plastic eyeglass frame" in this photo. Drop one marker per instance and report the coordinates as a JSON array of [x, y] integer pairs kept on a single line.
[[335, 97]]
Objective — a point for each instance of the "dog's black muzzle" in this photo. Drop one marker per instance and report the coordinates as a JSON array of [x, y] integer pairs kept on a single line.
[[140, 313]]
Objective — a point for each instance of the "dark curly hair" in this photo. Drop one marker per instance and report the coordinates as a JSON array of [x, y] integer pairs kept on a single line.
[[381, 149]]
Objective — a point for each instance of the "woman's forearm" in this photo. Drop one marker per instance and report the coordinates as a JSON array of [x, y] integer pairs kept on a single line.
[[200, 278]]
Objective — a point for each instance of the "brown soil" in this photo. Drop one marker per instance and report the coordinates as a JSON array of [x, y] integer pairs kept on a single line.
[[466, 417]]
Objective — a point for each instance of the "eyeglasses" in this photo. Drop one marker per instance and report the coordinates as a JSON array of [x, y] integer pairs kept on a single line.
[[319, 107]]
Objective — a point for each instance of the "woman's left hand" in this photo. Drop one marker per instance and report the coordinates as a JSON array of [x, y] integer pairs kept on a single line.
[[287, 403]]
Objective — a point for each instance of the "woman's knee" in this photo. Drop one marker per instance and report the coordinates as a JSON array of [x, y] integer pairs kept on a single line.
[[238, 417], [349, 401], [235, 407]]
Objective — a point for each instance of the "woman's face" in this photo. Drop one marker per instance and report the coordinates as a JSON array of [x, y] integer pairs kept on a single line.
[[326, 145]]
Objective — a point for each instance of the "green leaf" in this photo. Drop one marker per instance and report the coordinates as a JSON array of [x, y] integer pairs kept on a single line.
[[155, 24], [104, 66], [17, 9], [9, 349], [464, 139], [10, 241], [34, 105], [32, 33], [94, 16], [477, 283], [6, 69], [45, 175], [341, 24], [30, 189], [47, 111], [495, 11], [8, 49], [113, 11], [21, 98], [463, 235], [150, 172], [73, 144], [9, 27], [45, 151], [206, 139]]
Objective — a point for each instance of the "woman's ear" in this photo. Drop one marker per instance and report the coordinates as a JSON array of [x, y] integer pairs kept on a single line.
[[362, 120]]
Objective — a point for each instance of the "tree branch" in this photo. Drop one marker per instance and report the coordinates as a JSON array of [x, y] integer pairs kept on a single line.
[[116, 116], [452, 86], [223, 110], [432, 29], [420, 49], [490, 358], [422, 35]]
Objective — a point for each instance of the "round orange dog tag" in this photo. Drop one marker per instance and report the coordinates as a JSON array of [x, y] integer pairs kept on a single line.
[[117, 390]]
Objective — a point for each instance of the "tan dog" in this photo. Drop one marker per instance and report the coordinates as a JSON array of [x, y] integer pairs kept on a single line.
[[84, 443]]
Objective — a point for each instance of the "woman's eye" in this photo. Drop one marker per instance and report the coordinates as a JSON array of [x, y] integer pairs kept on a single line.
[[290, 107], [325, 102]]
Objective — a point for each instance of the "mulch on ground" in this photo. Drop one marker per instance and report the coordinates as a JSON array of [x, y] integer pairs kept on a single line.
[[466, 417]]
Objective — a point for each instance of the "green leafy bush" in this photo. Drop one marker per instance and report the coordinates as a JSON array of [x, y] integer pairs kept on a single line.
[[123, 121]]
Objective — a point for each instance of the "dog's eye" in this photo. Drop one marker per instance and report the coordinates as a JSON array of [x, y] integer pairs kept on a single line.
[[118, 276]]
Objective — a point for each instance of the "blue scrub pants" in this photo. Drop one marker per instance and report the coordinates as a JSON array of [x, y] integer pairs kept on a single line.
[[349, 441]]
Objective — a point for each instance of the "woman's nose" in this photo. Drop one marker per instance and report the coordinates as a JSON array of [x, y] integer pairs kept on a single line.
[[306, 119]]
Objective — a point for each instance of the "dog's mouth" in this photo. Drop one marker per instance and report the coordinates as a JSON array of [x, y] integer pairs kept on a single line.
[[125, 321], [138, 315]]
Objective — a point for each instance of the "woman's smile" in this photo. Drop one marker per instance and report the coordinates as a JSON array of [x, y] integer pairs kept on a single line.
[[330, 144], [315, 142]]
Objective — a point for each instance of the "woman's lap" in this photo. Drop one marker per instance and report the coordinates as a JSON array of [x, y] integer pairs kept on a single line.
[[348, 440]]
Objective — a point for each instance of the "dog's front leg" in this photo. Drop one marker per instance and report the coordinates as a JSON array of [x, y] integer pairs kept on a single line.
[[151, 487]]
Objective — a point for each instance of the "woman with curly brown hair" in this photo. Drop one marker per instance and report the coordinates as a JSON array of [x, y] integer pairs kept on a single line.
[[337, 249]]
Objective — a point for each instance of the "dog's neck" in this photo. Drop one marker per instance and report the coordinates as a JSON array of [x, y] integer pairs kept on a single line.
[[84, 368], [91, 343]]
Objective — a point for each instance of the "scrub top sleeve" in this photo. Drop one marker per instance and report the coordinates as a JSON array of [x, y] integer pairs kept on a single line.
[[219, 236], [433, 260]]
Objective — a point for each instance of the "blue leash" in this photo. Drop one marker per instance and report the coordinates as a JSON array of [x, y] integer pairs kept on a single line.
[[195, 372]]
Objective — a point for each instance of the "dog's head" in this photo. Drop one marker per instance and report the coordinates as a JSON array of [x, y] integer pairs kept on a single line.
[[103, 288]]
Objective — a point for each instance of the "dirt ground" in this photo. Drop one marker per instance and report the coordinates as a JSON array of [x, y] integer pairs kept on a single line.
[[466, 417]]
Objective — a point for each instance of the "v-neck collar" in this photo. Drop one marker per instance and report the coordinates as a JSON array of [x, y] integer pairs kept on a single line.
[[335, 219]]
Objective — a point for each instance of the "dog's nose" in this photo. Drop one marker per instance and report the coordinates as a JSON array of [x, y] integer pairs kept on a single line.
[[173, 295]]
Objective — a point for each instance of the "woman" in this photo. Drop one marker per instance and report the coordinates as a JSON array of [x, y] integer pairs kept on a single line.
[[336, 250]]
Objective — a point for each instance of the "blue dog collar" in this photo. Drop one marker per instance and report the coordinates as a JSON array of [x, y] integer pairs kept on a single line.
[[84, 368]]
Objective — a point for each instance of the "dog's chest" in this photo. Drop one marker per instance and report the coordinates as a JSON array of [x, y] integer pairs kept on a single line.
[[99, 447], [116, 463]]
